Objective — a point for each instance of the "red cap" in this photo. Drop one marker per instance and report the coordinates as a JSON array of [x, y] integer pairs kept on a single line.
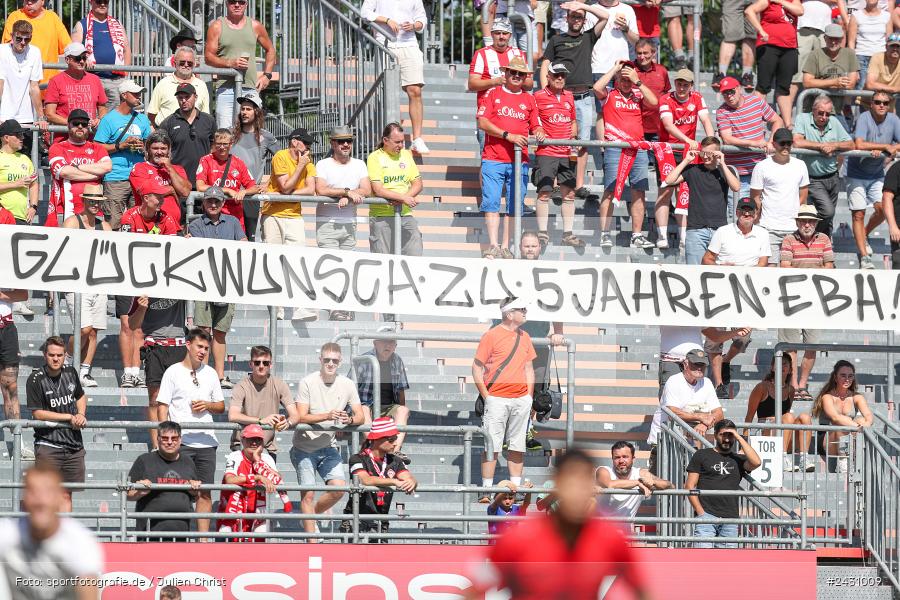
[[729, 83], [253, 431], [382, 427], [151, 186]]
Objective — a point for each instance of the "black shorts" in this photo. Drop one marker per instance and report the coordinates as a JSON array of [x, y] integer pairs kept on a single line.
[[69, 463], [159, 358], [123, 306], [204, 461], [9, 346], [775, 67], [551, 169]]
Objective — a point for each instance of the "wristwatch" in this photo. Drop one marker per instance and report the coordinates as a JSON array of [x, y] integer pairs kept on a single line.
[[346, 191], [639, 83], [505, 134], [268, 74]]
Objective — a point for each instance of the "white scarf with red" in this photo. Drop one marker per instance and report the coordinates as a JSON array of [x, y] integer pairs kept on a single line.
[[248, 499], [665, 160], [116, 33]]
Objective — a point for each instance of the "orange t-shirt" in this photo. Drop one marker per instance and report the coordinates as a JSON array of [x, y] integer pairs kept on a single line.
[[494, 347]]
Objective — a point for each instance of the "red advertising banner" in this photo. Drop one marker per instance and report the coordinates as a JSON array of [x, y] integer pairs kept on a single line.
[[422, 572]]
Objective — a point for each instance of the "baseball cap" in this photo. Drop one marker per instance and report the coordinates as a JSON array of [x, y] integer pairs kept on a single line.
[[501, 25], [151, 186], [686, 75], [514, 304], [382, 427], [251, 95], [697, 356], [11, 127], [185, 88], [78, 113], [558, 68], [746, 204], [385, 329], [252, 431], [723, 424], [341, 132], [728, 83], [74, 49], [302, 134], [783, 135], [808, 212], [833, 30], [130, 86], [214, 193], [893, 39]]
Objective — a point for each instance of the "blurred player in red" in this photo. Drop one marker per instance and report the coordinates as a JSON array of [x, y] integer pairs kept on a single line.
[[565, 554]]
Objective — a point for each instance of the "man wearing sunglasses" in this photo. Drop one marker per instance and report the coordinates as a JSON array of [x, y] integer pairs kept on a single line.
[[884, 67], [106, 42], [20, 74], [18, 181], [190, 129], [75, 88], [164, 100], [50, 35]]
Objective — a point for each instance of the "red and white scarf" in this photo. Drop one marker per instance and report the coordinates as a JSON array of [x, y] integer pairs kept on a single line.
[[665, 160], [117, 35], [248, 499]]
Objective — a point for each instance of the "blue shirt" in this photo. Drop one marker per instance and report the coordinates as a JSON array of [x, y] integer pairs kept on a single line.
[[104, 53], [228, 228], [111, 125], [805, 125], [886, 132]]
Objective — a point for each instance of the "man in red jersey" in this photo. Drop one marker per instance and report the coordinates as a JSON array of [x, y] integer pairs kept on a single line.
[[236, 184], [159, 168], [74, 162], [507, 115], [567, 553], [148, 216], [555, 164]]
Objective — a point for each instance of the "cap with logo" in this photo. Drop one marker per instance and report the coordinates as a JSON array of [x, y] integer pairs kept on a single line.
[[303, 135], [251, 95], [685, 75], [214, 193], [252, 431], [728, 83], [558, 68], [185, 88], [697, 356], [746, 204], [78, 113], [74, 49], [501, 24]]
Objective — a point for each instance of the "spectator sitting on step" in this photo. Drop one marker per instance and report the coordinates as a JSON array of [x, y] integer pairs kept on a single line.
[[106, 42], [623, 475], [840, 403], [761, 406], [76, 88], [504, 505], [164, 98], [394, 384], [377, 465], [253, 469], [257, 398], [691, 397]]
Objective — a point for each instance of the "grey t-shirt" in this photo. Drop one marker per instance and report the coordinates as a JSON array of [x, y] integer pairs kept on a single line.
[[256, 156], [821, 66], [164, 318]]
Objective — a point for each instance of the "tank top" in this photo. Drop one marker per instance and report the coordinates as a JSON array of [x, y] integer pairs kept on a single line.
[[766, 408], [824, 419], [870, 33], [233, 43], [780, 25], [98, 225]]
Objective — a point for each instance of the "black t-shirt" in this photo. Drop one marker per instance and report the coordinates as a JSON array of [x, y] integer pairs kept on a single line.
[[892, 184], [387, 385], [374, 503], [58, 394], [718, 472], [157, 469], [575, 53], [190, 141], [709, 197]]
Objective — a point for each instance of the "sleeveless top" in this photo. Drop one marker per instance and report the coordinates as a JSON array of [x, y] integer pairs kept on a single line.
[[766, 408], [824, 419], [233, 43], [780, 25], [98, 225]]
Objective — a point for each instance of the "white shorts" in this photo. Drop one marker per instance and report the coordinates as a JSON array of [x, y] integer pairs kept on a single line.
[[93, 309], [506, 420], [412, 65], [863, 193]]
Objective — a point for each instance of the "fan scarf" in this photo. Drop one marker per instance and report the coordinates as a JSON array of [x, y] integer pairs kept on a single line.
[[119, 41], [665, 160], [249, 499]]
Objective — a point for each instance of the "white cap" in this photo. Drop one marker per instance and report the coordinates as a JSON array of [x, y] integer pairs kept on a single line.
[[130, 85], [74, 49]]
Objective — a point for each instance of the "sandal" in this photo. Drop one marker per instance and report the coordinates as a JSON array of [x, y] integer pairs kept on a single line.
[[573, 241], [544, 239], [802, 394], [493, 252]]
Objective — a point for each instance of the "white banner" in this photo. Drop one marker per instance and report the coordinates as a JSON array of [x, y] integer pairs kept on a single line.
[[88, 261]]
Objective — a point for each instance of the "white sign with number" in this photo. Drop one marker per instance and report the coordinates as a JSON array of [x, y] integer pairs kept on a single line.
[[771, 453]]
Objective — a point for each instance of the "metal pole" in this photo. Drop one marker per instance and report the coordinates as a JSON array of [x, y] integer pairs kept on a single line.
[[273, 330], [779, 383], [570, 394], [802, 513], [123, 512], [398, 229], [889, 392], [355, 514], [466, 476], [516, 193], [76, 332], [695, 15], [515, 17], [54, 320], [238, 86], [17, 463]]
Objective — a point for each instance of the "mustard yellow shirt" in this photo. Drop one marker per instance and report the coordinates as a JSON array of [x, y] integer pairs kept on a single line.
[[284, 164]]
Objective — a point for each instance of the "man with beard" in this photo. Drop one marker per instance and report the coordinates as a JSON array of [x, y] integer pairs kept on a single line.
[[719, 468], [256, 146], [164, 100], [160, 170], [623, 475]]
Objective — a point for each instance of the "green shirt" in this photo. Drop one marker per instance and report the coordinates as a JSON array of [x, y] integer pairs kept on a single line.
[[819, 166], [14, 167], [819, 65]]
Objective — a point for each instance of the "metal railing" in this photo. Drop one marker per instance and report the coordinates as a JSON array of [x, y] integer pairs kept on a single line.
[[881, 502]]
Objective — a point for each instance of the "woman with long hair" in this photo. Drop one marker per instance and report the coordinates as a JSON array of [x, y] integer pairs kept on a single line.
[[839, 403], [761, 406]]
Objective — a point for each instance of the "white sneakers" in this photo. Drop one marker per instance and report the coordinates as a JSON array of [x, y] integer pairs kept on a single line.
[[418, 146], [20, 308]]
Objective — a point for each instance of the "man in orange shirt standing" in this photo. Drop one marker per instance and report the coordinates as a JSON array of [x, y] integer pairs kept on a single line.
[[504, 375]]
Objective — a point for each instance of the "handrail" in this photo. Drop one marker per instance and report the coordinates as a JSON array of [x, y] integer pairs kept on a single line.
[[726, 149]]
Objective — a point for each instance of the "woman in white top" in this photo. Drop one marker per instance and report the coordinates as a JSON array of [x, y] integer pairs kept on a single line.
[[867, 31]]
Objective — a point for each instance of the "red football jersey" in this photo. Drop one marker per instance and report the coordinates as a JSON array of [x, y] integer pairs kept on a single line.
[[145, 171], [622, 115], [6, 217], [162, 224], [685, 115], [513, 112], [65, 195], [557, 113], [488, 63], [210, 172]]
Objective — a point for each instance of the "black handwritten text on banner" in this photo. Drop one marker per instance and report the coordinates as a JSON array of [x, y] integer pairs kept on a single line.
[[202, 269]]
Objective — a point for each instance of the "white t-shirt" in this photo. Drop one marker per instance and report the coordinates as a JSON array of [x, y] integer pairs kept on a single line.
[[675, 341], [678, 393], [70, 552], [859, 5], [871, 32], [612, 45], [6, 308], [732, 247], [17, 72], [177, 390], [339, 176], [321, 398], [621, 505], [780, 185], [816, 14]]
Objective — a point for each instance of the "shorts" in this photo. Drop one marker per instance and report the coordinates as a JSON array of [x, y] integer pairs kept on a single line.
[[505, 420], [799, 336], [775, 67], [204, 461], [412, 65], [9, 346], [326, 462], [586, 116], [735, 27], [670, 12], [336, 236], [157, 359], [776, 237], [69, 463], [542, 12], [494, 177], [863, 193], [808, 41], [118, 194], [390, 410], [638, 178], [283, 230], [93, 309], [550, 169], [741, 343], [215, 315], [123, 306]]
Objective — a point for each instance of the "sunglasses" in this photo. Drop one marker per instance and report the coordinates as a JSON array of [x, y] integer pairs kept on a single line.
[[329, 361], [185, 63], [91, 202], [255, 441], [557, 75], [80, 124], [23, 40], [238, 2], [264, 363], [194, 377], [881, 102], [393, 438], [515, 73], [807, 221], [344, 142], [785, 143], [727, 93], [82, 58], [169, 438]]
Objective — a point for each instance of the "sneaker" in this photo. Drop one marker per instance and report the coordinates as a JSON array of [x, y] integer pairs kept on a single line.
[[305, 315], [717, 80], [639, 241], [789, 466], [843, 464], [869, 250], [484, 500], [662, 243], [492, 252], [606, 240], [402, 456], [140, 381], [865, 262], [556, 196], [572, 240], [26, 453], [807, 463], [20, 308], [340, 315], [722, 392], [88, 381], [506, 253], [726, 373], [583, 193], [225, 383], [543, 240], [748, 82], [128, 381], [418, 146], [531, 443], [679, 62]]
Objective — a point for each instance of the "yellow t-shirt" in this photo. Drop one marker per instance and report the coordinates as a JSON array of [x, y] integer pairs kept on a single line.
[[395, 173], [13, 167], [284, 164], [49, 36]]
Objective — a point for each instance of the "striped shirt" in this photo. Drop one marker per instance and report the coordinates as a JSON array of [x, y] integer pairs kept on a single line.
[[801, 255], [747, 122]]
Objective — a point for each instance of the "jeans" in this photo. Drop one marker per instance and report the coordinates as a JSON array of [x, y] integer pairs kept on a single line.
[[696, 241], [863, 70], [586, 117], [713, 529]]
